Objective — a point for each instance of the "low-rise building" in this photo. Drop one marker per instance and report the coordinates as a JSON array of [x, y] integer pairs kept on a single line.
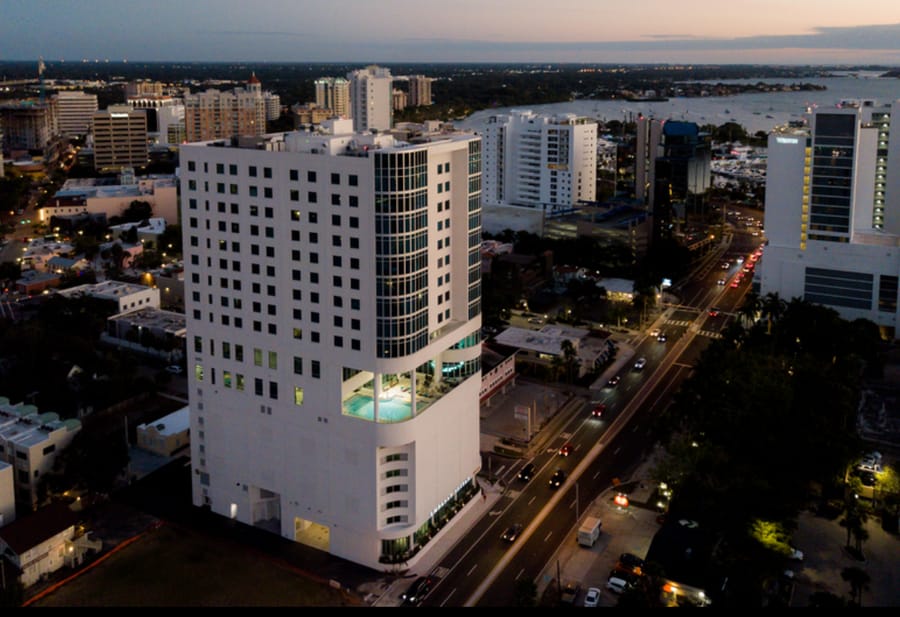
[[166, 435], [151, 331], [113, 196], [41, 543], [127, 297], [498, 371], [540, 347], [30, 442], [7, 494]]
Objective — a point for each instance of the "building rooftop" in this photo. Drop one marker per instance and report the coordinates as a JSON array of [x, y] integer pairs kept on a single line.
[[176, 422], [159, 319]]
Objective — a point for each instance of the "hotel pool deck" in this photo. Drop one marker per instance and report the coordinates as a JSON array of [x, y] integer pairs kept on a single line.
[[394, 406]]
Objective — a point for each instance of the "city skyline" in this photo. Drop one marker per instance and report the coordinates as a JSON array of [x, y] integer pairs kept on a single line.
[[644, 31]]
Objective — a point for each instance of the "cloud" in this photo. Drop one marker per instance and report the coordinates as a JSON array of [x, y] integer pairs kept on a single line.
[[258, 33]]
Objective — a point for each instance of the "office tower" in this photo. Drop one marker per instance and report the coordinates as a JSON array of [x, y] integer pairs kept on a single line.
[[332, 294], [74, 110], [119, 136], [273, 106], [672, 171], [334, 93], [216, 114], [419, 90], [370, 98], [832, 220], [539, 162]]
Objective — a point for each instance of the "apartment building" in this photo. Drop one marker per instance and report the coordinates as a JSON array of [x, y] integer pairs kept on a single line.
[[831, 217], [333, 93], [332, 294], [419, 90], [75, 110], [119, 136], [30, 441], [371, 98], [543, 164], [217, 114]]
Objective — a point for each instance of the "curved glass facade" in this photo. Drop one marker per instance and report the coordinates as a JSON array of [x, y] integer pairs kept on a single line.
[[401, 252]]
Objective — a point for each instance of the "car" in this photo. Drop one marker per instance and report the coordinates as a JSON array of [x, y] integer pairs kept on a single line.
[[734, 284], [569, 593], [866, 477], [617, 585], [662, 338], [174, 369], [511, 533], [714, 311], [565, 449], [630, 563], [535, 320], [598, 410], [720, 282], [613, 381], [654, 332], [592, 597], [416, 592], [725, 265], [558, 478], [527, 472], [640, 363]]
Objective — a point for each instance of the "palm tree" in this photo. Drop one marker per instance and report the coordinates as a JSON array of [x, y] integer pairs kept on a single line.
[[750, 308], [772, 307]]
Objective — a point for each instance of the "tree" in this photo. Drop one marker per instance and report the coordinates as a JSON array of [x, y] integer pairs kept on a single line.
[[859, 582], [569, 359]]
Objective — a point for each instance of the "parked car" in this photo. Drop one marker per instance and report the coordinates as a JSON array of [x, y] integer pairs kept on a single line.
[[617, 585], [592, 597], [174, 369], [630, 562]]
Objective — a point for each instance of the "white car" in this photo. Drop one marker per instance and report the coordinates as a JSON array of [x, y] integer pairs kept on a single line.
[[654, 332], [616, 584], [174, 369], [592, 597], [641, 363]]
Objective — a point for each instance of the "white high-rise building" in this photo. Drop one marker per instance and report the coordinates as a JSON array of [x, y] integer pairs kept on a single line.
[[538, 162], [334, 93], [332, 293], [371, 98], [832, 214], [74, 112]]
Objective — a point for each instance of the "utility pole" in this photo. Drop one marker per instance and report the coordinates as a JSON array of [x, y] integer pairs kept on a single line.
[[576, 504]]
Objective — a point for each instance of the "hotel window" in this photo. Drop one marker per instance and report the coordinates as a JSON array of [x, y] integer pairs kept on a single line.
[[252, 171], [298, 365], [352, 180], [273, 390], [298, 396], [257, 357], [258, 386], [315, 368], [294, 175], [239, 383], [273, 360], [267, 192], [267, 172], [310, 176]]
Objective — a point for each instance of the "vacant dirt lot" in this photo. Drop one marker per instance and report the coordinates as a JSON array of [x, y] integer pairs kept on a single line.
[[172, 566]]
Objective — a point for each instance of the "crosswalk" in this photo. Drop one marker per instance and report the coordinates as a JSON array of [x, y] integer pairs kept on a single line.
[[684, 323]]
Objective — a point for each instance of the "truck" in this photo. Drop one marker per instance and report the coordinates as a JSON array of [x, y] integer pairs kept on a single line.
[[589, 531]]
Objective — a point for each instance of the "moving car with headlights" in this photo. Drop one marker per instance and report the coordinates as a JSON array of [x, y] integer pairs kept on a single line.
[[558, 478]]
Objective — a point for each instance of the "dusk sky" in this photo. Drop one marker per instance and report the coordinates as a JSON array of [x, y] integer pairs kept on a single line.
[[620, 31]]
